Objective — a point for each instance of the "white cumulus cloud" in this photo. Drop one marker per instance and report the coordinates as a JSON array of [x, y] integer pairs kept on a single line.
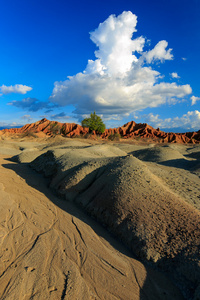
[[159, 52], [188, 121], [17, 88], [120, 80], [194, 99]]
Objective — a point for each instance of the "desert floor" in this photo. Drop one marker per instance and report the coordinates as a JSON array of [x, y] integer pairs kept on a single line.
[[50, 248]]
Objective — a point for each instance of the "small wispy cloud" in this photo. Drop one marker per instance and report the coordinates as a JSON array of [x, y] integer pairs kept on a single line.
[[27, 118], [17, 89], [60, 116], [174, 75]]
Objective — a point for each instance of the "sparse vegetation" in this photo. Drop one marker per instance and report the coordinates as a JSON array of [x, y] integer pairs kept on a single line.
[[63, 131], [114, 137], [29, 134], [83, 136], [94, 123], [55, 128]]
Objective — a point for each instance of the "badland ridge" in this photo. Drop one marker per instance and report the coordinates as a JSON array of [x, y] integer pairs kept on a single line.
[[130, 130]]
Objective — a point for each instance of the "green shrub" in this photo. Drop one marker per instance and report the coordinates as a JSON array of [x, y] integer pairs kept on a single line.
[[94, 123]]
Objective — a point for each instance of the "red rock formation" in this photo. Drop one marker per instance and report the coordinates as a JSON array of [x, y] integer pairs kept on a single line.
[[130, 130], [51, 127]]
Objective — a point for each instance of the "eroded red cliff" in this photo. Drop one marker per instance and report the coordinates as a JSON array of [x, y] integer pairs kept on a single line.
[[130, 130]]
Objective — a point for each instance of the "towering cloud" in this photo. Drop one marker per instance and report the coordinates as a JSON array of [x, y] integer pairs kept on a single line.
[[116, 47], [121, 79]]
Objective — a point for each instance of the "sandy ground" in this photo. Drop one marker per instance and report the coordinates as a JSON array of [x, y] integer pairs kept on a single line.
[[51, 249]]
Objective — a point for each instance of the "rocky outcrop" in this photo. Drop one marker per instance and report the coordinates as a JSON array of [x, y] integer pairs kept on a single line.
[[131, 130]]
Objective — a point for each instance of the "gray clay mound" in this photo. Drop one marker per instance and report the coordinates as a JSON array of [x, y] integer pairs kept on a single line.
[[68, 158], [196, 169], [106, 150], [8, 148], [158, 154], [26, 156], [166, 155], [66, 143], [62, 161], [137, 206], [129, 148], [194, 154], [9, 151]]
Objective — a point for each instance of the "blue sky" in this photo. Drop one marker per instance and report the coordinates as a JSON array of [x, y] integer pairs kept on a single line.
[[127, 60]]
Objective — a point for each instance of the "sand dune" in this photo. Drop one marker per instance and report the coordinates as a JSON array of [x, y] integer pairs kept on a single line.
[[147, 196]]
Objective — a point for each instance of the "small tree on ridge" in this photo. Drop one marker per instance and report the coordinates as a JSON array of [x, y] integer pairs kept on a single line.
[[94, 123]]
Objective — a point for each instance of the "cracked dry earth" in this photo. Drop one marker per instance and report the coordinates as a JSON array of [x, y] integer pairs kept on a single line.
[[51, 250]]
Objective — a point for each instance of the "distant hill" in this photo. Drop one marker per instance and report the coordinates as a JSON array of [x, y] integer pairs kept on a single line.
[[9, 127], [130, 130]]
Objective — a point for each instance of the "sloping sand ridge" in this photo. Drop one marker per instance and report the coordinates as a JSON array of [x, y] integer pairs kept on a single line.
[[52, 250]]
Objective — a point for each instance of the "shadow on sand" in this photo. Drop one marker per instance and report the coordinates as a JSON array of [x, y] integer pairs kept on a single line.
[[180, 164], [150, 289]]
